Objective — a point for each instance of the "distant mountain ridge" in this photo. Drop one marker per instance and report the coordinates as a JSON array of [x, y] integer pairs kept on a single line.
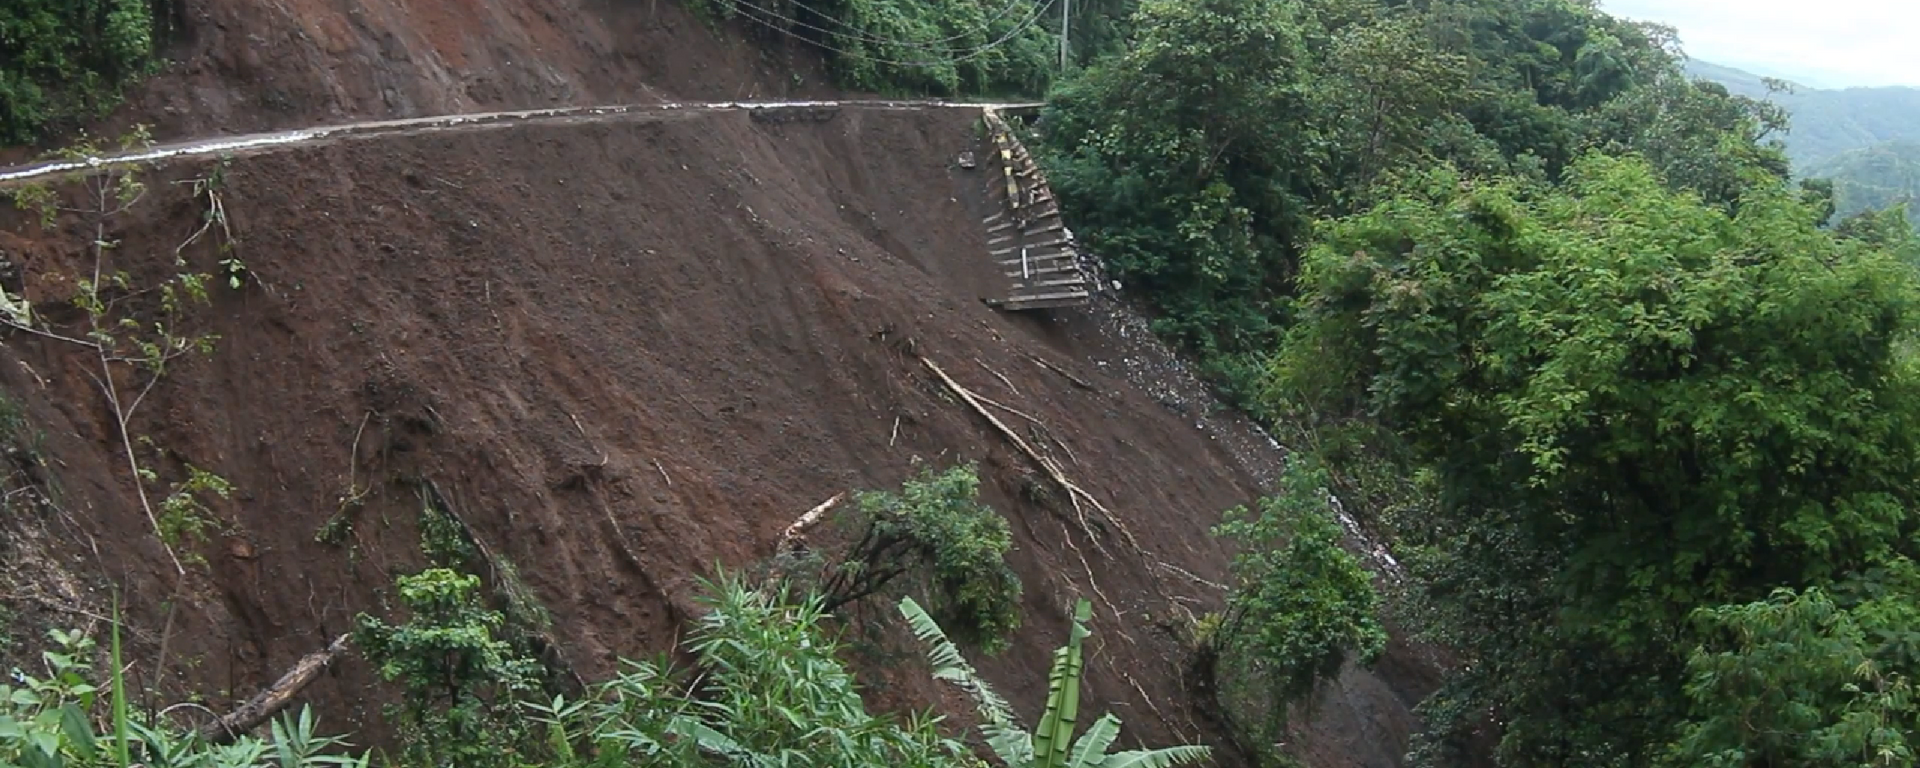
[[1827, 122], [1867, 140]]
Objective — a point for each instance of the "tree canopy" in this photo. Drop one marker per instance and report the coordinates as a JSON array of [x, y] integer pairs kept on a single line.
[[1646, 414]]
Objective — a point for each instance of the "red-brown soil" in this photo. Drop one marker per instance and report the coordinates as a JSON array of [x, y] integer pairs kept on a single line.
[[626, 351]]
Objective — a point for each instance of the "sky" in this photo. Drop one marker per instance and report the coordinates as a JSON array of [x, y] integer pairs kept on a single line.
[[1820, 43]]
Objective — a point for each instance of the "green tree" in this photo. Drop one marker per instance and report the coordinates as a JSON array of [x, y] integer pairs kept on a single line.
[[934, 535], [1699, 137], [1174, 159], [65, 60], [1386, 84], [1637, 405], [943, 47], [1891, 229], [1875, 177], [1799, 679], [462, 684], [1301, 606]]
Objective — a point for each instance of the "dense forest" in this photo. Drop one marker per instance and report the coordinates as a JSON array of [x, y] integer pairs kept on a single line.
[[1640, 420], [1639, 411]]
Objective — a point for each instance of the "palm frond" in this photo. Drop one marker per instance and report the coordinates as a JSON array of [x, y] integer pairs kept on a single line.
[[1157, 758], [1091, 749], [1013, 745], [951, 666]]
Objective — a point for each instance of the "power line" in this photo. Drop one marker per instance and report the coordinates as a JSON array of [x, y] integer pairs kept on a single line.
[[863, 36], [742, 7], [755, 13]]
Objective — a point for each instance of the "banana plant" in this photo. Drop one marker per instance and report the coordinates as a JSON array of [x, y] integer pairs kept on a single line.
[[1051, 743]]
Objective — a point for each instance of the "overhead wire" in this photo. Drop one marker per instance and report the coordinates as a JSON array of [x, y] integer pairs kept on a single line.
[[742, 8], [863, 36], [759, 14]]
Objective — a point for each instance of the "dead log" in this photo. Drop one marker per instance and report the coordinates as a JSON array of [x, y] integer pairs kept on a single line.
[[1077, 381], [264, 705], [1074, 492], [795, 536]]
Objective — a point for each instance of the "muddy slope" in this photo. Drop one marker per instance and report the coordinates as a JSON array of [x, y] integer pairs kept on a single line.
[[625, 352]]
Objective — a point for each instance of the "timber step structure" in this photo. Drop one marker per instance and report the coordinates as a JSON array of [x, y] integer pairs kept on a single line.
[[1026, 237]]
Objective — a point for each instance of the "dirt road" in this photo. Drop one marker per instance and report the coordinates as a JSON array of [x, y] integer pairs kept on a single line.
[[255, 143]]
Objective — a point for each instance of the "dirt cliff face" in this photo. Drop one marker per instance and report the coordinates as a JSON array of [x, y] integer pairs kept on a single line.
[[625, 350]]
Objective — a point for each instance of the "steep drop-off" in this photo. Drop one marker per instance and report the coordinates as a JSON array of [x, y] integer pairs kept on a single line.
[[626, 348], [626, 351]]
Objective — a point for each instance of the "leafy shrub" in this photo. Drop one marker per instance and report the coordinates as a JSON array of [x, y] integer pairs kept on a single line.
[[933, 535], [52, 722], [1301, 606], [1799, 679], [67, 60], [461, 683], [770, 690], [941, 47]]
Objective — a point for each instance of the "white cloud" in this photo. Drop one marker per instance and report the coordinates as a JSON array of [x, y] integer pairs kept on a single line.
[[1839, 42]]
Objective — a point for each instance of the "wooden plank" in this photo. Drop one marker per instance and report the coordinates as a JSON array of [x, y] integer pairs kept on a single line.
[[1029, 285], [1033, 252], [1056, 226], [1047, 270], [996, 241], [1025, 307], [1033, 263], [1070, 293], [1061, 240], [1065, 299]]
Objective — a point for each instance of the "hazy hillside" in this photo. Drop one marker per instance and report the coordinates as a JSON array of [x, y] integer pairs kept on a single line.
[[1827, 122], [1866, 139], [1873, 177]]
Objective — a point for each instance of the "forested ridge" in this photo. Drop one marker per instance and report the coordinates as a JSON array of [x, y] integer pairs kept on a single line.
[[1866, 141], [1638, 411]]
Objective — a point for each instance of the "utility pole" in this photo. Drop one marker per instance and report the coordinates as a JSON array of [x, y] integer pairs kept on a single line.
[[1064, 5]]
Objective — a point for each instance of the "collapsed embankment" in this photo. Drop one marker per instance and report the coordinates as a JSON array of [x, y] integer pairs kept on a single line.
[[626, 351]]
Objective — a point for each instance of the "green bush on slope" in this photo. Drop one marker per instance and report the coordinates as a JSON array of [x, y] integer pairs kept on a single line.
[[62, 61]]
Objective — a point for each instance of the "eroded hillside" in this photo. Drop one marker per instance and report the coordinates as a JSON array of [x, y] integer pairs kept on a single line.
[[624, 352], [624, 349]]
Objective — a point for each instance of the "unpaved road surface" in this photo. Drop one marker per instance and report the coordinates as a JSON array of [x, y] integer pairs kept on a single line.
[[254, 143]]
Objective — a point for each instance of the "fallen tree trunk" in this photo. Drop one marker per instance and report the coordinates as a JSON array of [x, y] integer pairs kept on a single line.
[[264, 705], [795, 536]]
